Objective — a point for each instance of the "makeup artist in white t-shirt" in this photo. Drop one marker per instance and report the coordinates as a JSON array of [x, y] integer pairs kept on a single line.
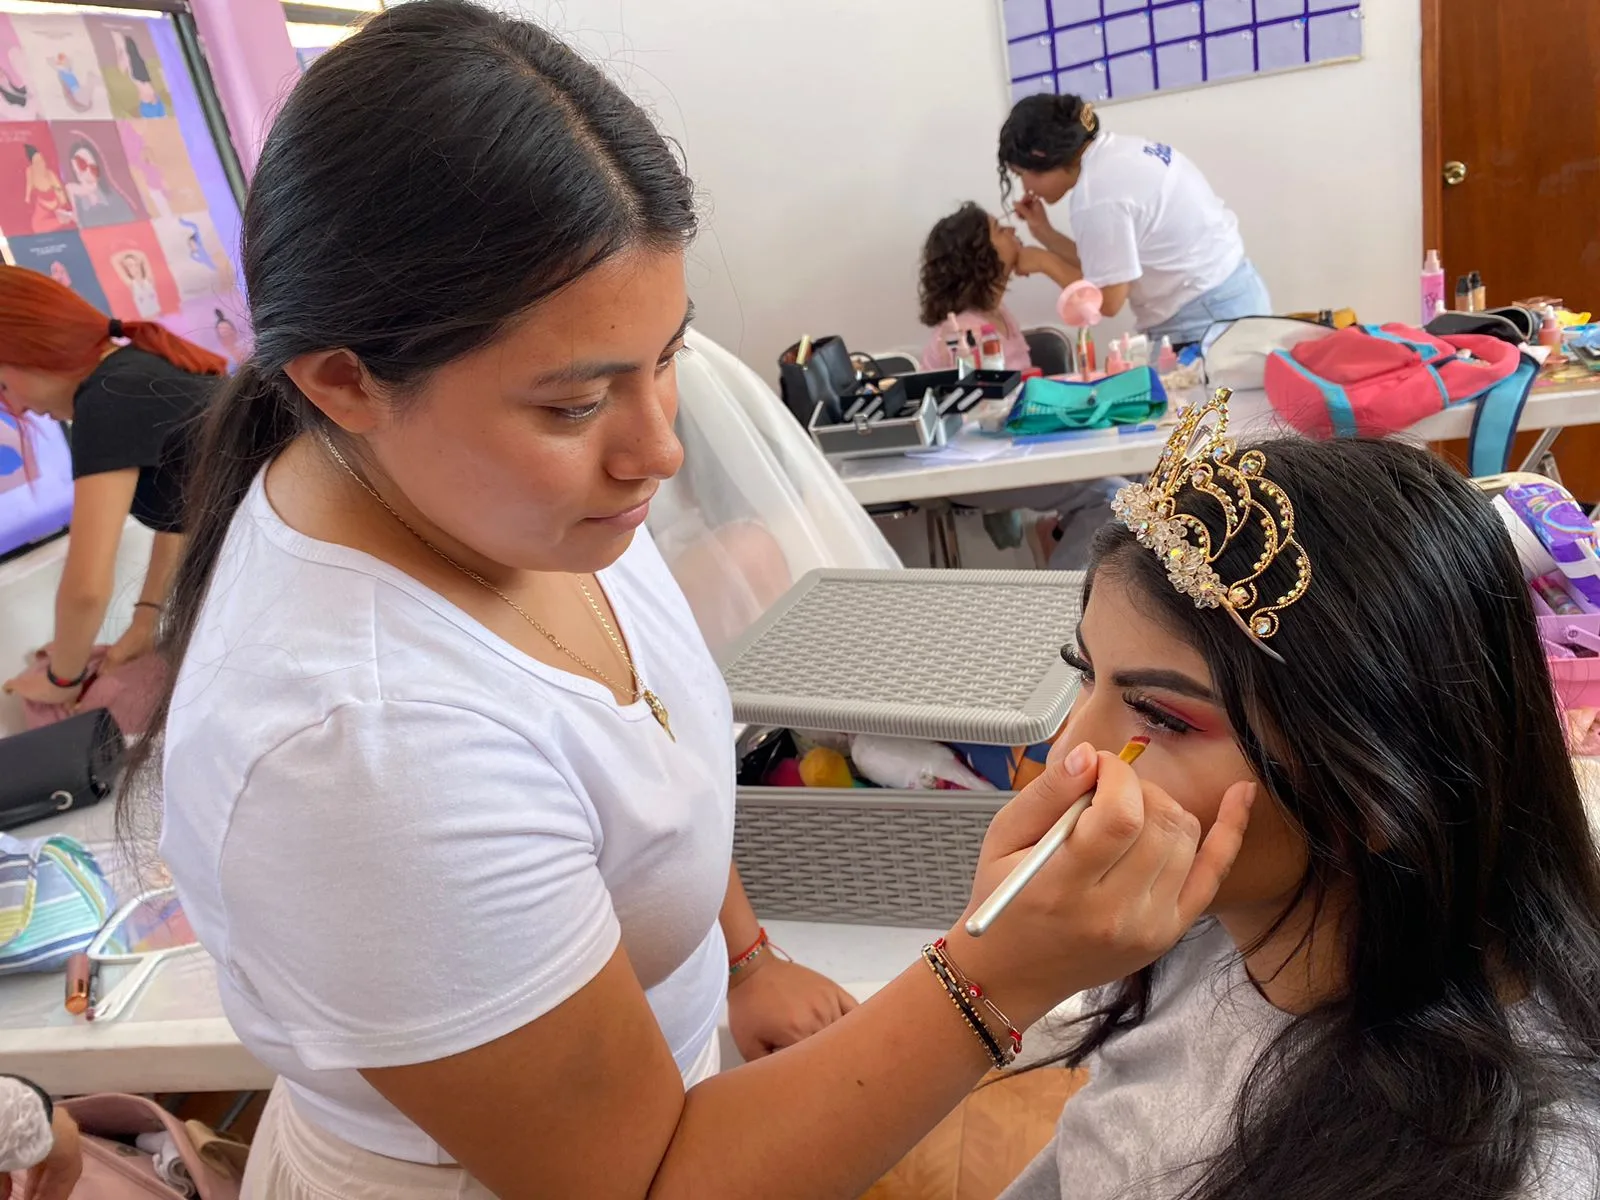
[[1147, 229], [448, 771]]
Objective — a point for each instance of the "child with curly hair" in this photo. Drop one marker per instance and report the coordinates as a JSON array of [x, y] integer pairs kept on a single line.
[[967, 261]]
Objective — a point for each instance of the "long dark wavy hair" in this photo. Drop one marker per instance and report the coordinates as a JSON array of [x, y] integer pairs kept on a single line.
[[428, 181], [1411, 736], [1043, 133], [961, 269]]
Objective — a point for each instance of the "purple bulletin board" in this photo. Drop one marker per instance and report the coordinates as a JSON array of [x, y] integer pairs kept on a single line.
[[1118, 49]]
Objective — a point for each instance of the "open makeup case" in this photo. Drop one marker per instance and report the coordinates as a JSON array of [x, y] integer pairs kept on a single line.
[[852, 409], [892, 415], [970, 657]]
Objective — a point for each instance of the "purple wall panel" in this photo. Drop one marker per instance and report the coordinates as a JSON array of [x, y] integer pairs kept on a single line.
[[1116, 49]]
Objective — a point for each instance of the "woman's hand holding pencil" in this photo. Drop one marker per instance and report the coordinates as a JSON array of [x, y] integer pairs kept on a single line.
[[1115, 894]]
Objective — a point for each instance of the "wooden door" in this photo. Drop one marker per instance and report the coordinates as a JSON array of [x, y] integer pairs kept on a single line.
[[1509, 92]]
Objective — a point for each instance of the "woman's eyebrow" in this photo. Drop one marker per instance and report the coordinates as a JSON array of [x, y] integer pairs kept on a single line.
[[1167, 681], [1175, 682], [588, 372]]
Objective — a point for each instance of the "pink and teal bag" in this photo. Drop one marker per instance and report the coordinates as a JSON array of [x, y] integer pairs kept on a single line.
[[1373, 381]]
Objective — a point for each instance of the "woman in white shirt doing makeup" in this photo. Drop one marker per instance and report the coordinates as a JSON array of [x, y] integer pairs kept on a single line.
[[447, 768], [1147, 229]]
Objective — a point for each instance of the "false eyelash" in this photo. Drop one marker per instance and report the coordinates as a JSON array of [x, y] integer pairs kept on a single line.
[[1155, 716], [1078, 664]]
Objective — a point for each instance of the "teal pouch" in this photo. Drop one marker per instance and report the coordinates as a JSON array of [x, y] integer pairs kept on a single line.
[[1052, 405], [53, 900]]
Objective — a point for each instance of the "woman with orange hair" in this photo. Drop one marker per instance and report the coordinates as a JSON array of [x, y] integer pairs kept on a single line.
[[129, 390]]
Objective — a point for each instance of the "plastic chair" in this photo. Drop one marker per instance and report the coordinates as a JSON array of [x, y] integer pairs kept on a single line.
[[1050, 349], [897, 362]]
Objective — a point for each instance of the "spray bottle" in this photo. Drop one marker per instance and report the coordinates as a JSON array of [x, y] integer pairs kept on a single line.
[[1432, 287]]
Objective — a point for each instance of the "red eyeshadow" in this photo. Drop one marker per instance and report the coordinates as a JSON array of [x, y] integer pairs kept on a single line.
[[1200, 726]]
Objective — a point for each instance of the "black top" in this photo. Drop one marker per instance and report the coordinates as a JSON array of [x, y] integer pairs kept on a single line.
[[137, 410]]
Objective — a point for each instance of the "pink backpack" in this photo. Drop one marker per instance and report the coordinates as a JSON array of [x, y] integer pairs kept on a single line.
[[1372, 381], [114, 1170]]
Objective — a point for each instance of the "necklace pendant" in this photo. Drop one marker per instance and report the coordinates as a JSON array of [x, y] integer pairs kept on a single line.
[[658, 710]]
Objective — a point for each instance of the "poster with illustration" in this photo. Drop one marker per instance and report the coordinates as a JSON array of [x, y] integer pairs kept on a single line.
[[95, 171], [159, 163], [133, 271], [16, 455], [218, 325], [64, 258], [33, 198], [61, 60], [135, 81], [19, 98], [220, 200], [195, 254]]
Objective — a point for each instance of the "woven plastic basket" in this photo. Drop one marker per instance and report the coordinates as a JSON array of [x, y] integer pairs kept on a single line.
[[966, 656], [861, 858]]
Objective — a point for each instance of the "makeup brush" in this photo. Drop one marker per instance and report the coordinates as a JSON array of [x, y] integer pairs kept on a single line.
[[1052, 841]]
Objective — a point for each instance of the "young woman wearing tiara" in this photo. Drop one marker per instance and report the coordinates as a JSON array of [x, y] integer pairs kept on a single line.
[[1397, 992]]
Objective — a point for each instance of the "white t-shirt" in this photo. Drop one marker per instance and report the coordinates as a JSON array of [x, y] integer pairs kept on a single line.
[[1142, 213], [402, 838]]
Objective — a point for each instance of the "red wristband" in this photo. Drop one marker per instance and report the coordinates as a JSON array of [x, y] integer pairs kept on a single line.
[[739, 961], [57, 681]]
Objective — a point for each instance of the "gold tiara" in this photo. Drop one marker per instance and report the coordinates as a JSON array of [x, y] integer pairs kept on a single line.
[[1200, 456]]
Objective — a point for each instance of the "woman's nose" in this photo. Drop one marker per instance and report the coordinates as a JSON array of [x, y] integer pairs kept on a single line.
[[650, 448]]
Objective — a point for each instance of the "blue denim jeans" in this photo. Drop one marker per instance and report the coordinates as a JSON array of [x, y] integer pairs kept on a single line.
[[1242, 294]]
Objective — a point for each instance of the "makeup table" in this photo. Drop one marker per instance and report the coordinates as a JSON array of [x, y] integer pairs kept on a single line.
[[1006, 466], [175, 1038]]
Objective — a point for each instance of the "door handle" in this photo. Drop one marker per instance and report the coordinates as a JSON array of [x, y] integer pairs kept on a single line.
[[1455, 174]]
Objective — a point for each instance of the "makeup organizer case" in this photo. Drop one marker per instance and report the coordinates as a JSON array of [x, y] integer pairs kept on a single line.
[[914, 412], [947, 656]]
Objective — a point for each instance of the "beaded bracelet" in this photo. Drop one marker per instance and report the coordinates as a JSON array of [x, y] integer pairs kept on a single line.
[[741, 962], [968, 996], [1013, 1034], [968, 1011]]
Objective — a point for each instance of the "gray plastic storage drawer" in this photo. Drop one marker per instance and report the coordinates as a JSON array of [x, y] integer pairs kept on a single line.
[[948, 656], [862, 856], [952, 656]]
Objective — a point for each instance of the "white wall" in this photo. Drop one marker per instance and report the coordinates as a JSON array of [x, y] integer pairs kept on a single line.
[[828, 136]]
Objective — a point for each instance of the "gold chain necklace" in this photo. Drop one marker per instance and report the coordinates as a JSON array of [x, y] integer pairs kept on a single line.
[[653, 702]]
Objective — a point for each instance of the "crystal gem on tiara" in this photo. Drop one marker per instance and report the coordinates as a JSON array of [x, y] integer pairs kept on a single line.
[[1200, 457]]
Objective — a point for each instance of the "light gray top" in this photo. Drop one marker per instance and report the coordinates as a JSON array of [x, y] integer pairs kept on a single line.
[[1160, 1097]]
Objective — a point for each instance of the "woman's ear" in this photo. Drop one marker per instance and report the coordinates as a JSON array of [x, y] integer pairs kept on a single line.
[[337, 383]]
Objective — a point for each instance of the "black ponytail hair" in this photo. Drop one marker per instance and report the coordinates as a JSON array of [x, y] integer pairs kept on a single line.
[[1045, 132], [429, 180]]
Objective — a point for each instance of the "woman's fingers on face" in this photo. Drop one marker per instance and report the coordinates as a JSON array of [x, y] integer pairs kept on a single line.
[[1217, 853], [1032, 812], [1111, 825], [1165, 846], [1167, 886]]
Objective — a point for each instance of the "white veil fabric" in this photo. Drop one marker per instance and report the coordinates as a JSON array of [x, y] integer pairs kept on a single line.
[[756, 505]]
